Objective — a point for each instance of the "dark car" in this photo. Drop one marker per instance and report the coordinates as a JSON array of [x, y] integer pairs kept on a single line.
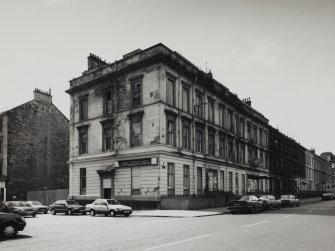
[[269, 201], [38, 206], [10, 224], [21, 208], [67, 206], [289, 200], [4, 208], [327, 196], [247, 203]]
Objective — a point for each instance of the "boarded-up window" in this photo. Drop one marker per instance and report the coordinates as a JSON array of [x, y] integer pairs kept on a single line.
[[136, 131], [135, 181]]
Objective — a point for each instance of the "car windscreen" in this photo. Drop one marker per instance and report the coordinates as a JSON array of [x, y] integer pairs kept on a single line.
[[113, 202], [71, 202], [244, 198], [36, 203]]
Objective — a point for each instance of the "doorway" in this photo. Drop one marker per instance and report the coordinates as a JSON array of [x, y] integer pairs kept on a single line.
[[107, 187]]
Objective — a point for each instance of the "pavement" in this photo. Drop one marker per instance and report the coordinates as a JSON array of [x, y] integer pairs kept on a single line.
[[198, 212]]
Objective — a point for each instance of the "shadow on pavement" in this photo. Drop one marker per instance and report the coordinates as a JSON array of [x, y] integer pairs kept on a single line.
[[17, 237]]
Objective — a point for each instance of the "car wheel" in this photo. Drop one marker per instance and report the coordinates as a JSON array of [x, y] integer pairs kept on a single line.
[[126, 215], [92, 213], [45, 212], [69, 212], [113, 213], [53, 212], [106, 214], [34, 215], [83, 213], [9, 230]]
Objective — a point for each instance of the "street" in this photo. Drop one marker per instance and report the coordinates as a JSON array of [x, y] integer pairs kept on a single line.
[[308, 227]]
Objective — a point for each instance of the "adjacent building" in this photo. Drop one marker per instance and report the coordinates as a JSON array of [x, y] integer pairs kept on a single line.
[[34, 141], [153, 124]]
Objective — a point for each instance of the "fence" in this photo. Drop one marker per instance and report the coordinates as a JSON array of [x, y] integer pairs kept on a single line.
[[47, 197]]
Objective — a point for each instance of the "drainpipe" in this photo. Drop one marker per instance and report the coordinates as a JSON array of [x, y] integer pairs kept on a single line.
[[193, 133]]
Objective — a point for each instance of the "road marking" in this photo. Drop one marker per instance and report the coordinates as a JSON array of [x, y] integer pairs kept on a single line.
[[309, 211], [177, 242], [289, 215], [261, 222]]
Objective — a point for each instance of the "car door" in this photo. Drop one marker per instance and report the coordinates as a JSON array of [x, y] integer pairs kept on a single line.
[[96, 206], [104, 207], [62, 206]]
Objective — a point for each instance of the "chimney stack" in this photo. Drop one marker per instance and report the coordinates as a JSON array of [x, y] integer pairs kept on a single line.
[[247, 101], [43, 96]]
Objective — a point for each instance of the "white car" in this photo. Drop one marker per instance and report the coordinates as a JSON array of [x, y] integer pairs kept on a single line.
[[108, 207]]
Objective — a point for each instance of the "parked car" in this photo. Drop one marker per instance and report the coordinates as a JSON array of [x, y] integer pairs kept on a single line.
[[38, 206], [10, 224], [246, 203], [327, 196], [21, 208], [269, 201], [3, 208], [289, 200], [108, 207], [67, 206]]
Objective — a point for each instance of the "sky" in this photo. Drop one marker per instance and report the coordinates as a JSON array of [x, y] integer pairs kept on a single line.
[[281, 54]]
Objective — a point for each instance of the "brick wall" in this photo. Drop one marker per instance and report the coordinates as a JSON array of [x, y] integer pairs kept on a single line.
[[37, 149]]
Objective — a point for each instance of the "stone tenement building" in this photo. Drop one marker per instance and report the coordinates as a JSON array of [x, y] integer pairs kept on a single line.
[[153, 124], [34, 149]]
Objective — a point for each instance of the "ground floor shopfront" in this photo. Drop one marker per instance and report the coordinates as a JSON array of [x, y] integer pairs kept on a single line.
[[148, 177]]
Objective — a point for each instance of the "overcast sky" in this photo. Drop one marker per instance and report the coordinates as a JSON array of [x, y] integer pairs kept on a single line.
[[281, 54]]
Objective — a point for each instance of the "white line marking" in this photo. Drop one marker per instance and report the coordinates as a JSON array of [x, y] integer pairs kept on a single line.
[[261, 222], [177, 242], [289, 215]]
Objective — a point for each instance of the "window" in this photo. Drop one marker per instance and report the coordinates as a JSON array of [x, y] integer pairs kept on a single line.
[[255, 134], [265, 139], [170, 179], [249, 130], [186, 180], [1, 172], [135, 181], [107, 137], [222, 180], [221, 115], [249, 155], [236, 124], [171, 132], [242, 129], [237, 151], [242, 153], [199, 105], [108, 102], [83, 108], [212, 177], [82, 181], [199, 140], [1, 125], [236, 183], [136, 92], [230, 121], [210, 110], [260, 136], [186, 99], [83, 140], [170, 91], [136, 131], [221, 147], [186, 135], [230, 181], [199, 180], [0, 146], [230, 149], [211, 142], [243, 183]]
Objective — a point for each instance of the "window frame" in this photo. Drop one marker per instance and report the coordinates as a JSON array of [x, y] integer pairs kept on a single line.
[[108, 104], [107, 126], [170, 183], [211, 147], [83, 114], [186, 89], [82, 131], [186, 179], [172, 79], [139, 95], [211, 108], [136, 118], [199, 141], [83, 181]]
